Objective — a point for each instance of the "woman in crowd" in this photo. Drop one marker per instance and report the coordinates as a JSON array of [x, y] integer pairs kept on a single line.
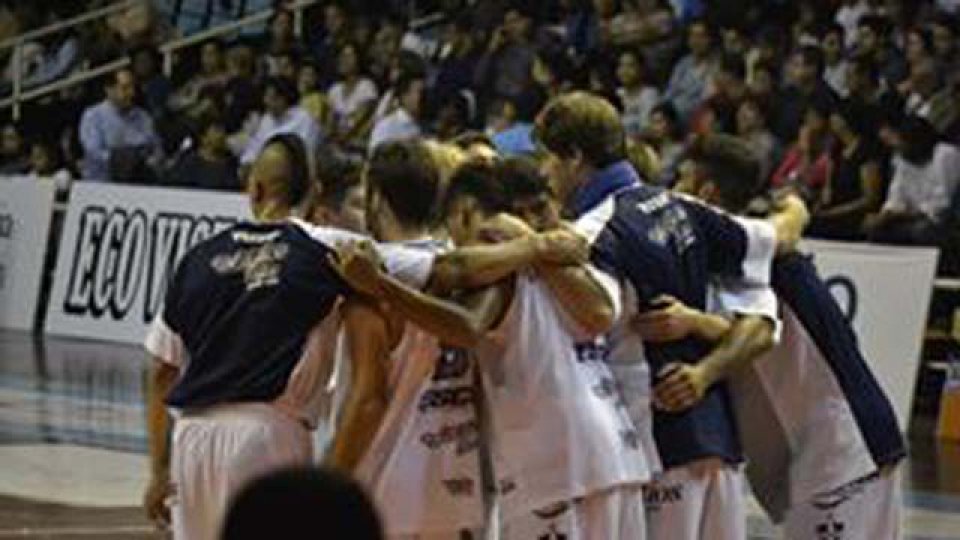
[[353, 97]]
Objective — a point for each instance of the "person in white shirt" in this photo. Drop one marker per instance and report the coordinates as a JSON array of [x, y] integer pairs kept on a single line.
[[404, 121], [283, 115], [353, 97]]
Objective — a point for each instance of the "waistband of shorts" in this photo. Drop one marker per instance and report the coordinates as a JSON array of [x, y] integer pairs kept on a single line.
[[227, 411]]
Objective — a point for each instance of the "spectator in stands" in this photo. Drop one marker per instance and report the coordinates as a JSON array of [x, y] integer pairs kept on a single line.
[[289, 504], [505, 69], [728, 89], [155, 88], [281, 115], [765, 54], [944, 29], [517, 138], [330, 36], [406, 64], [927, 96], [453, 116], [212, 73], [688, 82], [834, 59], [280, 41], [639, 22], [13, 155], [926, 173], [118, 138], [873, 40], [312, 99], [241, 95], [806, 165], [404, 122], [848, 17], [666, 136], [383, 50], [638, 95], [46, 161], [734, 41], [459, 57], [856, 184], [552, 71], [353, 97], [287, 65], [805, 84], [919, 45], [209, 164], [752, 127], [863, 90]]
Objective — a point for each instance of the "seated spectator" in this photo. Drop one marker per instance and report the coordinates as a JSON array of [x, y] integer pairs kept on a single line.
[[405, 65], [241, 95], [517, 137], [459, 56], [665, 134], [353, 97], [404, 122], [848, 17], [209, 163], [47, 162], [155, 88], [834, 59], [312, 99], [552, 72], [383, 50], [944, 29], [734, 41], [637, 94], [287, 65], [804, 84], [504, 70], [752, 127], [766, 54], [688, 83], [281, 115], [454, 116], [213, 73], [118, 137], [928, 96], [327, 36], [13, 151], [856, 184], [728, 88], [873, 40], [926, 173], [919, 45], [290, 504], [639, 22], [765, 83], [806, 165], [280, 41]]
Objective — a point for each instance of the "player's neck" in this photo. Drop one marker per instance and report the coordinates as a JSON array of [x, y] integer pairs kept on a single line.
[[398, 233]]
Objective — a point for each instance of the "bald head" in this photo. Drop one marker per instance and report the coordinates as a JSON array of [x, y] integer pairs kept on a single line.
[[279, 178]]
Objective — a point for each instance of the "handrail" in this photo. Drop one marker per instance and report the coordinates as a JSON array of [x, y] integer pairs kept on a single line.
[[62, 84], [61, 25]]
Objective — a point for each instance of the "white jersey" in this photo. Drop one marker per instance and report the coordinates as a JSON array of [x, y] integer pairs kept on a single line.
[[558, 427], [423, 467]]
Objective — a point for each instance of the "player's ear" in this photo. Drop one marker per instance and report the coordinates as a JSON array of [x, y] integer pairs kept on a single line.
[[709, 193]]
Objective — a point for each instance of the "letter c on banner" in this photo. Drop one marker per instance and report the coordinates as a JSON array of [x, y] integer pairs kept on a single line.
[[844, 291]]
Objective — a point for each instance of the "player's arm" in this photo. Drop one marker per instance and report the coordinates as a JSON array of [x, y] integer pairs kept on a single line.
[[368, 342], [582, 297], [161, 379], [455, 324], [682, 386], [674, 320], [789, 218]]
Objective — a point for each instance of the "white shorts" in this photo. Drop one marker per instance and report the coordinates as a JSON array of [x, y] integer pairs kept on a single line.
[[868, 509], [217, 451], [612, 514], [703, 499]]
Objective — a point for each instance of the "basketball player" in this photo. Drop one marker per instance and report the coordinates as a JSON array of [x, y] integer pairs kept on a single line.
[[660, 244], [820, 435], [238, 348], [565, 457]]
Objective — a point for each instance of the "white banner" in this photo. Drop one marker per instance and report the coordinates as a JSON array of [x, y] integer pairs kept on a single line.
[[886, 292], [119, 249], [26, 208]]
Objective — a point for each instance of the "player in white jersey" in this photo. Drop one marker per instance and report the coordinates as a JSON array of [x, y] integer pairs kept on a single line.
[[565, 456], [239, 348], [421, 464], [820, 434]]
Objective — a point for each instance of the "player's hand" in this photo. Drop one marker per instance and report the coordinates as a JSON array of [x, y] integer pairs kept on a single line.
[[359, 265], [791, 218], [681, 386], [673, 322], [561, 247], [158, 491]]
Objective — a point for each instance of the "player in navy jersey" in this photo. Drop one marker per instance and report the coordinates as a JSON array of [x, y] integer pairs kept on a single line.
[[659, 244], [819, 433]]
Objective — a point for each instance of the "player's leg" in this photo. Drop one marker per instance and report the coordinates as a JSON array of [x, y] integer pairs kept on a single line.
[[614, 513], [866, 509], [200, 492], [674, 504], [725, 512]]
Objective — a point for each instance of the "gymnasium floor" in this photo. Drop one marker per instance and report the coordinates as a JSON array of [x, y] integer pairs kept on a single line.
[[73, 448]]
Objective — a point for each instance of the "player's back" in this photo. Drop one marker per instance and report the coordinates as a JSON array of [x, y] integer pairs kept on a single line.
[[244, 302], [558, 427]]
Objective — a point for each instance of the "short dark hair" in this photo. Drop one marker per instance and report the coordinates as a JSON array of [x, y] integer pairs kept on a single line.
[[405, 174], [519, 177], [920, 139], [337, 174], [582, 122], [669, 112], [813, 56], [284, 87], [111, 79], [926, 38], [406, 81], [731, 166], [477, 180], [290, 502], [298, 184]]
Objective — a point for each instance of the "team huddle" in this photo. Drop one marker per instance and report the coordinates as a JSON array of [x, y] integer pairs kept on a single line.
[[522, 348]]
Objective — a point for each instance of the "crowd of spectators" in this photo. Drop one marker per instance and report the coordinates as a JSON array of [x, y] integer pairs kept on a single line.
[[855, 103]]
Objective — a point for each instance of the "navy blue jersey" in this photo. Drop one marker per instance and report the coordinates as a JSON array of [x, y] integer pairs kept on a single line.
[[798, 285], [243, 303], [661, 243]]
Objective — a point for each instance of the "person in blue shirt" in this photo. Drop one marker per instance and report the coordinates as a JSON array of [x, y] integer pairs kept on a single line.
[[659, 244]]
